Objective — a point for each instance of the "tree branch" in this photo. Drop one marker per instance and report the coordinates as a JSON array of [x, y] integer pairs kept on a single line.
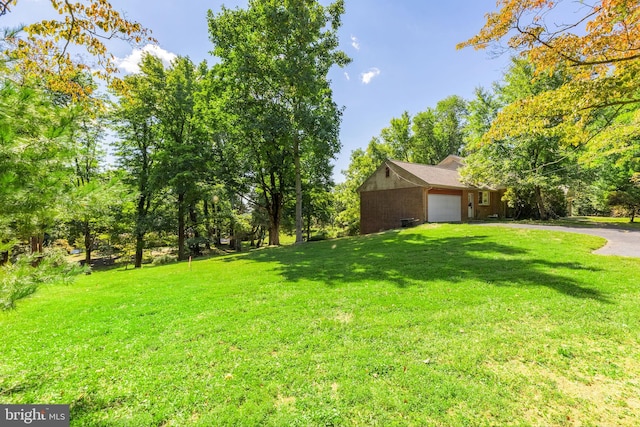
[[612, 104], [4, 7], [574, 62], [70, 32], [570, 26]]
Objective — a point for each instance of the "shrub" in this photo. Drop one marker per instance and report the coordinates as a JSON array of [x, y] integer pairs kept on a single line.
[[164, 259], [29, 271], [63, 244], [320, 235]]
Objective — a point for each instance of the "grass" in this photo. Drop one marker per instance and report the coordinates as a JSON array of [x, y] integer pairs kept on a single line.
[[592, 221], [603, 220], [436, 325]]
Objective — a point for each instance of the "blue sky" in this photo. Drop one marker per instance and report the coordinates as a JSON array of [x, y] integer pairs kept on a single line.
[[403, 52]]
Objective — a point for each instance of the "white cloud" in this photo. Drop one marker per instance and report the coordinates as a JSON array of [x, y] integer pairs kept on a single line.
[[346, 75], [369, 75], [130, 64], [355, 43]]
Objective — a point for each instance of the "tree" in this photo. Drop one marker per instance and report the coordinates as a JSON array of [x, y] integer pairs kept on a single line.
[[427, 150], [91, 196], [615, 165], [596, 44], [275, 57], [482, 112], [399, 138], [317, 196], [429, 136], [363, 163], [450, 119], [42, 50], [137, 149], [34, 160], [622, 189], [532, 166], [183, 155], [91, 209]]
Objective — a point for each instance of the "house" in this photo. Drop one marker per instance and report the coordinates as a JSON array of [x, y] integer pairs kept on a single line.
[[399, 194]]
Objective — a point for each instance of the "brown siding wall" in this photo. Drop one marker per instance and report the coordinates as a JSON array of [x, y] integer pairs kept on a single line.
[[445, 191], [383, 210], [496, 206]]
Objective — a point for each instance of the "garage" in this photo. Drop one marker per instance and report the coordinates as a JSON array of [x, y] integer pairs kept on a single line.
[[444, 208]]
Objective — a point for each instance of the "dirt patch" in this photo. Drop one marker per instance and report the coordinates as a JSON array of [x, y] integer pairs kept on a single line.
[[343, 317], [284, 401], [592, 400]]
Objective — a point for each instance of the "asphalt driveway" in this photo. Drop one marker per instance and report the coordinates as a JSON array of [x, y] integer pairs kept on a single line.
[[619, 241]]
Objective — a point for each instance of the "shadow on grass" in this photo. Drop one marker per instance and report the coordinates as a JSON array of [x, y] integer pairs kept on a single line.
[[414, 259]]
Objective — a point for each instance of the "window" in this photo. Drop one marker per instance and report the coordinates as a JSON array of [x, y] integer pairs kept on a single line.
[[484, 198], [387, 172]]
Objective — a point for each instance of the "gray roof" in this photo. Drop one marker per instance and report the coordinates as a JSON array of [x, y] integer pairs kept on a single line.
[[434, 176]]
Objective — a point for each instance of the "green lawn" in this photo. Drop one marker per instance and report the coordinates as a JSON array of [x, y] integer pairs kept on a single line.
[[436, 325], [591, 221]]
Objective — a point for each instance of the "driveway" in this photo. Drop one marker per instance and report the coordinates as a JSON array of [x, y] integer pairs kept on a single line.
[[619, 241]]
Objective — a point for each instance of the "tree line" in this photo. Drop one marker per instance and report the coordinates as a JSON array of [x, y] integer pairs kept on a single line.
[[198, 152], [243, 148]]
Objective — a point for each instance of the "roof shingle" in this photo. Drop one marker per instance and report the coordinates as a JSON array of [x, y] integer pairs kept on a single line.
[[432, 175]]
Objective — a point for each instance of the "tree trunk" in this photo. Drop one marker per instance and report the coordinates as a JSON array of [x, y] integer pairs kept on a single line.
[[210, 231], [141, 213], [181, 239], [274, 233], [296, 160], [275, 212], [540, 204], [260, 236], [36, 243], [193, 219], [88, 242], [139, 249], [236, 240]]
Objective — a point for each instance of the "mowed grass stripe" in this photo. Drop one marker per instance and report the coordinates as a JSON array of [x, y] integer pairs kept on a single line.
[[435, 325]]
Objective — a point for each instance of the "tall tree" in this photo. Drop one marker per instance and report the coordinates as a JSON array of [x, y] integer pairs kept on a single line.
[[42, 49], [183, 154], [427, 147], [614, 160], [275, 57], [34, 161], [596, 43], [429, 136], [450, 114], [622, 188], [532, 166], [86, 203], [482, 111], [138, 146], [399, 138]]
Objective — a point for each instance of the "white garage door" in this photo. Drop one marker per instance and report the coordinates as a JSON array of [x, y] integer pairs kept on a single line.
[[444, 208]]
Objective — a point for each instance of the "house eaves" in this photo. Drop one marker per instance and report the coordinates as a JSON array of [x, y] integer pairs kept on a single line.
[[432, 176]]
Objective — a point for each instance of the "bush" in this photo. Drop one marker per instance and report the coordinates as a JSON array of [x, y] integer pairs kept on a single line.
[[321, 235], [164, 259], [29, 271], [63, 244]]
